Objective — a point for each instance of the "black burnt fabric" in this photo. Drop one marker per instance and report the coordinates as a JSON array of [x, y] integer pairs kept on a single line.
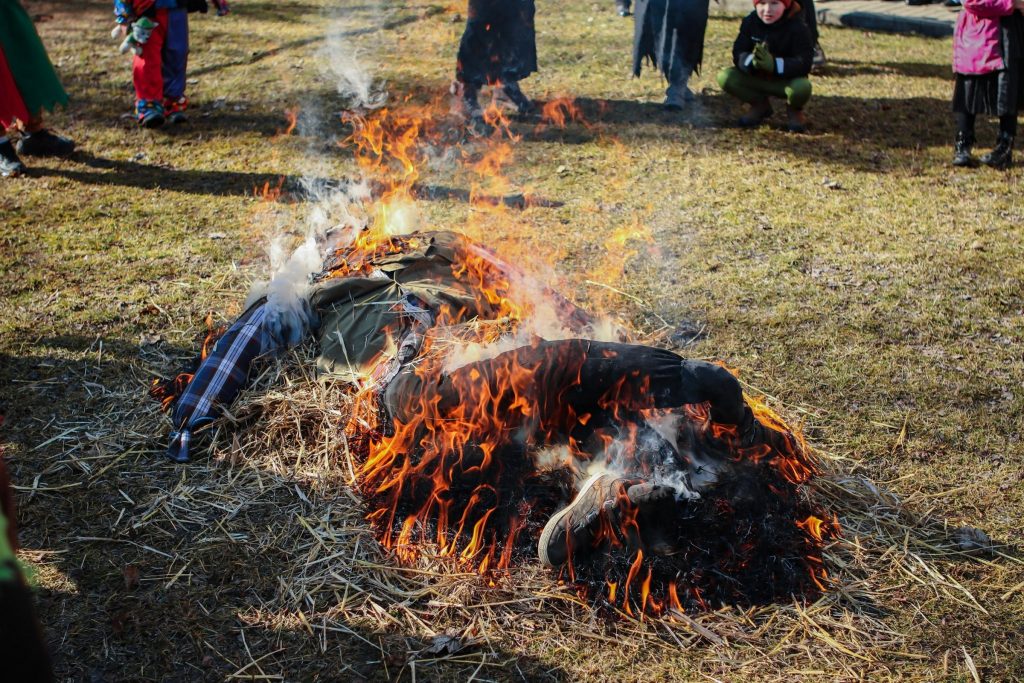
[[609, 382], [499, 44], [669, 33]]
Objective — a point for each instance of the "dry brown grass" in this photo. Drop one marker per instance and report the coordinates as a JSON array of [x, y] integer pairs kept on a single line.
[[872, 291]]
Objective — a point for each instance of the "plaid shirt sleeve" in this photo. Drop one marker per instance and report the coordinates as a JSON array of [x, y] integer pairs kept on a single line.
[[219, 379]]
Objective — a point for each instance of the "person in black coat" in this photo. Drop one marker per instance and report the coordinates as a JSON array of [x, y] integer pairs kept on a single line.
[[670, 34], [772, 55], [499, 47]]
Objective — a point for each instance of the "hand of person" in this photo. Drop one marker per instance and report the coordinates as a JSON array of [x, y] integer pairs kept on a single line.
[[763, 59]]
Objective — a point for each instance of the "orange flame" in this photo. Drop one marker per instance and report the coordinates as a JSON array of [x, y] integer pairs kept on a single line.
[[561, 111], [814, 527]]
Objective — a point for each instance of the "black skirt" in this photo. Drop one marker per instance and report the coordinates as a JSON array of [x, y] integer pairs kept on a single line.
[[1001, 92], [499, 43], [994, 94]]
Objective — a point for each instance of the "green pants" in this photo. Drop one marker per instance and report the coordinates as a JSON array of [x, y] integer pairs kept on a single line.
[[751, 88]]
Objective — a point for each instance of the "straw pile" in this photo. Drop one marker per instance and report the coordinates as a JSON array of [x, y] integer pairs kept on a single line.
[[263, 534]]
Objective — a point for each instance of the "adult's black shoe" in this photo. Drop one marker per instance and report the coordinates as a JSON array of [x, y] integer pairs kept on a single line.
[[43, 143]]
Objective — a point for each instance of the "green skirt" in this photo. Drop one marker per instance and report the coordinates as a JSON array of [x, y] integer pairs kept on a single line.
[[33, 73]]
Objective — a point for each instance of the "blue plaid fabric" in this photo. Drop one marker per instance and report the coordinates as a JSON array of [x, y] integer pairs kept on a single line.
[[219, 378]]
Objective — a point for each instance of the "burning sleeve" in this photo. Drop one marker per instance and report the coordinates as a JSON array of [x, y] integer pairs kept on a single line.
[[219, 379]]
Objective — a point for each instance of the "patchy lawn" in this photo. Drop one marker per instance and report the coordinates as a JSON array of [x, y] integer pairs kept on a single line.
[[872, 291]]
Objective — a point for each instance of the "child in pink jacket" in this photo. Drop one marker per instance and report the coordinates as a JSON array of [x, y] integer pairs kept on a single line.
[[988, 59]]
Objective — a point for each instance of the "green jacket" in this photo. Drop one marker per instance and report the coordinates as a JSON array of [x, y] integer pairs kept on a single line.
[[365, 319]]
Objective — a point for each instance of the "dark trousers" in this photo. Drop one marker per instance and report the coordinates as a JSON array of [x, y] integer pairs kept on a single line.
[[175, 54], [556, 391]]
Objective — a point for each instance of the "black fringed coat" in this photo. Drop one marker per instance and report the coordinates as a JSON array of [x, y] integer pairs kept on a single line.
[[499, 43], [669, 33]]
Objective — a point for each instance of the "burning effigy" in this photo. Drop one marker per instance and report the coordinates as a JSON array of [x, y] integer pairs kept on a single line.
[[693, 494], [495, 423]]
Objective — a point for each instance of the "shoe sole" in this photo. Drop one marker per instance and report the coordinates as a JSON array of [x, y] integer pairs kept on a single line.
[[549, 528]]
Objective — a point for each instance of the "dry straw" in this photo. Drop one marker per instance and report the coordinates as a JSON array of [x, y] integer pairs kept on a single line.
[[276, 479]]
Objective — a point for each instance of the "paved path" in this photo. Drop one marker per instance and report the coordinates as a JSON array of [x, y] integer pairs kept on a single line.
[[873, 15]]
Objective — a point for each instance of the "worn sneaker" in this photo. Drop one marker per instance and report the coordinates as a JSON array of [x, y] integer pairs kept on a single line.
[[10, 164], [43, 143], [571, 530]]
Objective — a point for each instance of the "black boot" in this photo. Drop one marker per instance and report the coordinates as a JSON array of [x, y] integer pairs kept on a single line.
[[10, 164], [962, 150], [524, 105], [44, 143], [1001, 155]]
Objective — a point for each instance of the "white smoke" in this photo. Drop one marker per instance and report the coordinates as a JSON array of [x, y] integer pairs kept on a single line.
[[352, 79]]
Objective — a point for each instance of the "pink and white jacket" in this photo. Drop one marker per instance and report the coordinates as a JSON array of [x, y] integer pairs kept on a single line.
[[976, 39]]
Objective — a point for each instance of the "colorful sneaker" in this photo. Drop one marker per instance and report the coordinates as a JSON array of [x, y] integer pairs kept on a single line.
[[174, 110], [43, 143], [150, 113], [10, 164]]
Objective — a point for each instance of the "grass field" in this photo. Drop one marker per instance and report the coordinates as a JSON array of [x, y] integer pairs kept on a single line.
[[870, 290]]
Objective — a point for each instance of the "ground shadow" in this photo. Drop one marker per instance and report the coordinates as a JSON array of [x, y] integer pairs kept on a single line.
[[838, 68], [100, 171], [867, 127]]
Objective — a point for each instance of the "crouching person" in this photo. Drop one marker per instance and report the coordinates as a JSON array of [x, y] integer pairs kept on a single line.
[[772, 54]]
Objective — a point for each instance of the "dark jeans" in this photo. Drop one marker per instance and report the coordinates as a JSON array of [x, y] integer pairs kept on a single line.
[[554, 391]]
